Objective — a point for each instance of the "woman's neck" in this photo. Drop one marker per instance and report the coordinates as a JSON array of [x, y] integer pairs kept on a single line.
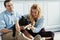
[[35, 19]]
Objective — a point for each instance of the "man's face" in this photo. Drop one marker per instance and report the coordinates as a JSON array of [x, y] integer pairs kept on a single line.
[[9, 6], [35, 13]]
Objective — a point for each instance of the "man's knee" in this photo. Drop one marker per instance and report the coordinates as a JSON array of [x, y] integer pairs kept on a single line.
[[7, 36]]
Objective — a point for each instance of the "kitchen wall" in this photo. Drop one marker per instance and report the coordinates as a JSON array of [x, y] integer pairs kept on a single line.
[[50, 11]]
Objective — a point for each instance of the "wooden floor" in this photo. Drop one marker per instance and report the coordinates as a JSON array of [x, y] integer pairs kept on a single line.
[[57, 36]]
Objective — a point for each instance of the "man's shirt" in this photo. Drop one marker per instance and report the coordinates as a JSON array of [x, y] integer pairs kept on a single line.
[[7, 20]]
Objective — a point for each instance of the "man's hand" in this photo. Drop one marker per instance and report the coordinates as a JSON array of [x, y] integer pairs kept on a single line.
[[5, 30], [17, 27]]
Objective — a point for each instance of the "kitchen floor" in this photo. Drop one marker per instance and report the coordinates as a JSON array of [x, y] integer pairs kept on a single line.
[[57, 36]]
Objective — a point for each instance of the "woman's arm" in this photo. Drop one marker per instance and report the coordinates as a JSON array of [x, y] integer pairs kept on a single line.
[[38, 26]]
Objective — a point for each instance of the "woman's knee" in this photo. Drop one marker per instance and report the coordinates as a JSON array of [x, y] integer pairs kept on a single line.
[[51, 34]]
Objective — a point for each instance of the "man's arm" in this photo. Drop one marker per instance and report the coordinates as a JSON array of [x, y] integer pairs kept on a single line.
[[5, 30]]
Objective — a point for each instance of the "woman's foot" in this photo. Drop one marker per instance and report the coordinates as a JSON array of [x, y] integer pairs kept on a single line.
[[37, 37]]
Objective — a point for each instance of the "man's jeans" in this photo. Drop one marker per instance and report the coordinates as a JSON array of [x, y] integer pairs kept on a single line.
[[8, 36]]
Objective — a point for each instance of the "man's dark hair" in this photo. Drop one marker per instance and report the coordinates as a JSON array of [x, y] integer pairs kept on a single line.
[[6, 2]]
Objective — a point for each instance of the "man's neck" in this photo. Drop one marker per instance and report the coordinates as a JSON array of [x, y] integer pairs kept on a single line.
[[9, 11]]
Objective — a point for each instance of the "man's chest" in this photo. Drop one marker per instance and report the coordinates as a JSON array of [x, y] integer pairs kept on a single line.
[[10, 19]]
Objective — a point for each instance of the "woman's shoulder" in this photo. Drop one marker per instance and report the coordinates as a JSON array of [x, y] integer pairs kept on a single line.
[[41, 19]]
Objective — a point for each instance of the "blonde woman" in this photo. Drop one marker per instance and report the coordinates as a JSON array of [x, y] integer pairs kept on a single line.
[[37, 21]]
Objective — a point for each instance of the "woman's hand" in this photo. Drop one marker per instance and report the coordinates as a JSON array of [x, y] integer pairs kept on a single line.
[[31, 27], [22, 28]]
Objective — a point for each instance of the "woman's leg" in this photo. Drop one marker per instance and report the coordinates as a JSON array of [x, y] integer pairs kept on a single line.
[[44, 33], [27, 34], [47, 34], [33, 34], [36, 36]]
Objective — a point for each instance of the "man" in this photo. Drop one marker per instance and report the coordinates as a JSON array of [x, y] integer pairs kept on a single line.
[[7, 19]]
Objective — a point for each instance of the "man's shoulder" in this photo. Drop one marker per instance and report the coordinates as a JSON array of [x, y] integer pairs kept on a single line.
[[16, 13], [2, 13]]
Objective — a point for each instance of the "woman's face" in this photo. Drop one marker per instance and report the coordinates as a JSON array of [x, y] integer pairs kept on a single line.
[[35, 13]]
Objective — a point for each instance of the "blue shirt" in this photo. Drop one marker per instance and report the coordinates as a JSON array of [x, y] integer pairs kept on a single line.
[[38, 24], [7, 20]]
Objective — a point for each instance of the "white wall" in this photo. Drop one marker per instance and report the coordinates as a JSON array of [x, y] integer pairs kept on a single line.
[[53, 15], [50, 10]]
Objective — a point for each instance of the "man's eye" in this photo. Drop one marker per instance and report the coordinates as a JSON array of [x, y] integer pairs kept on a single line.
[[8, 5]]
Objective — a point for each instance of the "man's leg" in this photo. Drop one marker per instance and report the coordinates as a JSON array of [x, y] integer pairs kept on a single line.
[[8, 36], [20, 36]]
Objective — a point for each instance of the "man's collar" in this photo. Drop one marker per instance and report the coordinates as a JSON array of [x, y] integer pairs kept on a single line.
[[11, 13]]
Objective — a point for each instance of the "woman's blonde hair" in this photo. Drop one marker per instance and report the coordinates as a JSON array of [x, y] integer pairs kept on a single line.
[[34, 6]]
